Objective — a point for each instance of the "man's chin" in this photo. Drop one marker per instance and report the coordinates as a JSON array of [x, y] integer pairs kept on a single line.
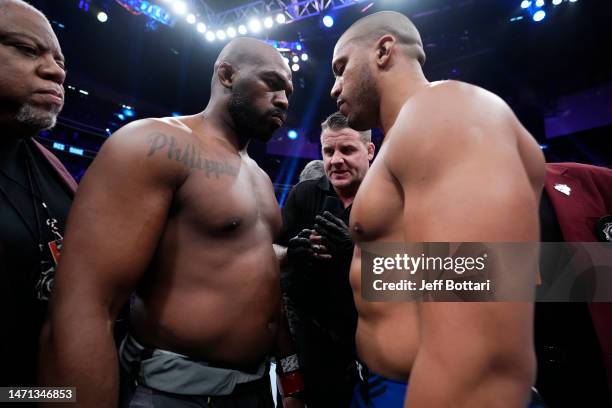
[[36, 117]]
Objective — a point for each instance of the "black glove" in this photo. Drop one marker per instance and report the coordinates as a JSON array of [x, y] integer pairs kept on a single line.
[[299, 250], [334, 234]]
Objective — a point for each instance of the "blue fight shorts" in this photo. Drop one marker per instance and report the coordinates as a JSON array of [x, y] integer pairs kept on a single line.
[[375, 391]]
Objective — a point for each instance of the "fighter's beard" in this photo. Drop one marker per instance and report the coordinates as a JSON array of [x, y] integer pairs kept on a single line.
[[37, 118]]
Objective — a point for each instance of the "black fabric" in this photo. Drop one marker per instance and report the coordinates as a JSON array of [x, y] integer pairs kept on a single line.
[[255, 394], [321, 312], [21, 312], [571, 370]]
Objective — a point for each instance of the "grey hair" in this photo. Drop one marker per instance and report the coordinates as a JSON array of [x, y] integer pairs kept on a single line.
[[312, 170], [337, 121]]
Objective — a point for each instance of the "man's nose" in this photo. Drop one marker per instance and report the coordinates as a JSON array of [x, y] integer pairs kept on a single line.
[[51, 70], [337, 88], [281, 101]]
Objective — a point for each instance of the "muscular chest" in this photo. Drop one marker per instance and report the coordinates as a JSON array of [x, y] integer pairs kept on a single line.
[[228, 195], [378, 206]]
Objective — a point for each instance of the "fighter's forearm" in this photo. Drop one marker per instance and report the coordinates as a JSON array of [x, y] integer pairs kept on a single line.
[[81, 354], [486, 379]]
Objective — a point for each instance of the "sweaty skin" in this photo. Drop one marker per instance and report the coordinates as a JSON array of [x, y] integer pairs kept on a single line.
[[455, 166], [174, 212]]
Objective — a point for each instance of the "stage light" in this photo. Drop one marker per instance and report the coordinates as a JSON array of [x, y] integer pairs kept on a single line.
[[298, 47], [268, 22], [539, 3], [539, 15], [179, 7], [573, 1], [254, 25], [304, 57], [295, 67], [525, 4], [128, 112], [210, 36], [280, 18], [221, 35], [295, 58], [328, 21], [191, 18], [292, 134], [231, 32], [242, 30], [201, 27], [556, 2], [102, 17]]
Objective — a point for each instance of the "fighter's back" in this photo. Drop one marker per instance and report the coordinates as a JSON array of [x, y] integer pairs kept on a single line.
[[451, 146]]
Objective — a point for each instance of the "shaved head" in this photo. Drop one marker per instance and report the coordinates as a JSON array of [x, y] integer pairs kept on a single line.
[[374, 26], [255, 82], [247, 52], [19, 3]]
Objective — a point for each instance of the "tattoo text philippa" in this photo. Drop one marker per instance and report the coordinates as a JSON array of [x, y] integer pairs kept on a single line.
[[189, 155]]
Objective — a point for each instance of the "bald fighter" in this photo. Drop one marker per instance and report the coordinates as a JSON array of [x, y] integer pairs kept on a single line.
[[455, 166], [174, 211]]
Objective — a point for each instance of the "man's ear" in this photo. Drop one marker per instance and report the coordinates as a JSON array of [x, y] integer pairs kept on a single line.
[[384, 45], [371, 150], [227, 74]]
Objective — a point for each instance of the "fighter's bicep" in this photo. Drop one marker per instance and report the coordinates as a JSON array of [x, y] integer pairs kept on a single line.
[[115, 222]]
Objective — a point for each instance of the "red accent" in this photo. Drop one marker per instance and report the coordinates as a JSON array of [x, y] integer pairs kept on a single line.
[[290, 383]]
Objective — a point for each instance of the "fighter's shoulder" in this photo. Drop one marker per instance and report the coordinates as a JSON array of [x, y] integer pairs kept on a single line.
[[135, 146], [457, 100], [142, 129]]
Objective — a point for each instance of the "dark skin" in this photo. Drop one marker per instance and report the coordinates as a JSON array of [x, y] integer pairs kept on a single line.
[[174, 210], [32, 67]]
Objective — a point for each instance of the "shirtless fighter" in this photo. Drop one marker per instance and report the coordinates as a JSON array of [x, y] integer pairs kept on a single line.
[[174, 211], [455, 166]]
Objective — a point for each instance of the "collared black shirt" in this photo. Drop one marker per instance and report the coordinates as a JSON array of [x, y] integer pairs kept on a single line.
[[22, 228], [324, 317]]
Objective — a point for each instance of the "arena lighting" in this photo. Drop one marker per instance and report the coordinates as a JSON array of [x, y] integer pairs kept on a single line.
[[153, 11], [268, 22], [298, 47], [556, 2], [221, 35], [102, 17], [255, 25], [295, 67], [304, 57], [539, 15], [210, 36], [231, 32], [179, 7], [280, 18], [525, 4], [328, 21], [292, 134], [191, 18], [201, 27], [539, 3], [295, 59], [242, 30], [128, 112]]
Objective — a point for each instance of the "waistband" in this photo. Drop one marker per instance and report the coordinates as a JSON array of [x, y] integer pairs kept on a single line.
[[176, 373]]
